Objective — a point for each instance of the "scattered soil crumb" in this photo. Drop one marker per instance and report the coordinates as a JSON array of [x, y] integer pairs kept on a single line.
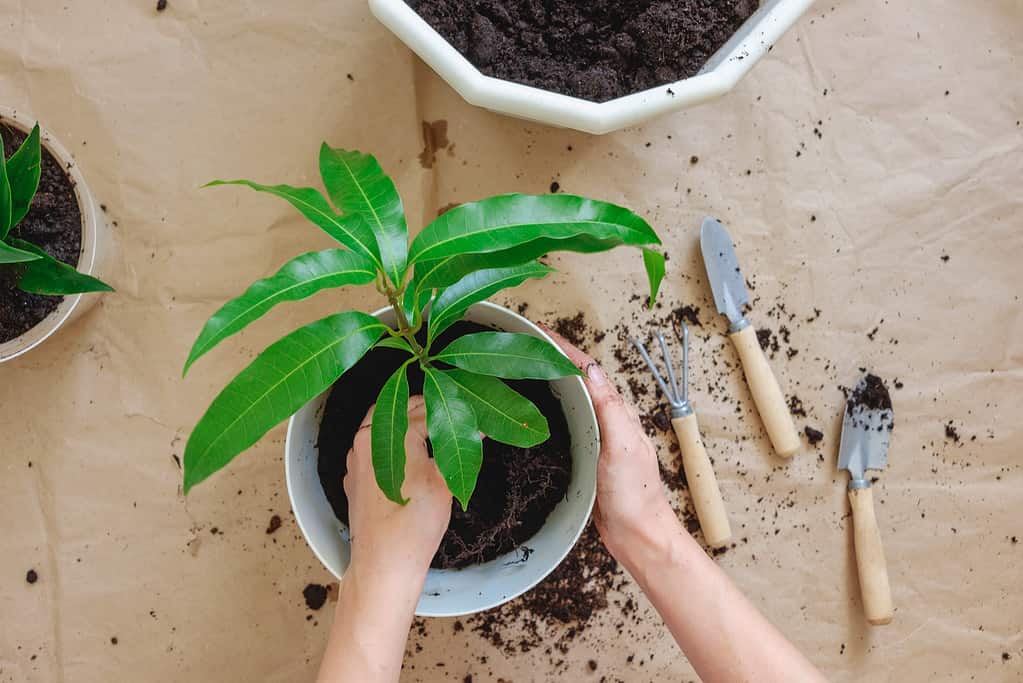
[[31, 576], [274, 525], [161, 5], [796, 406], [690, 315], [592, 665], [315, 595], [814, 436], [113, 640], [555, 186], [951, 433]]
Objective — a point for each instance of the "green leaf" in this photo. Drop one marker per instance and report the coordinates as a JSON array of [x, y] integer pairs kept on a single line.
[[6, 207], [443, 272], [23, 170], [357, 185], [502, 413], [506, 221], [9, 254], [300, 278], [454, 435], [654, 263], [394, 343], [509, 355], [47, 275], [351, 231], [453, 302], [387, 435], [287, 375]]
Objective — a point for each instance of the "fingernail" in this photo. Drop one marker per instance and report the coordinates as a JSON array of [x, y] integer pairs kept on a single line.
[[596, 375]]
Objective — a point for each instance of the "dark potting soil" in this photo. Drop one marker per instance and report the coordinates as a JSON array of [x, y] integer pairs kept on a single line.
[[597, 50], [315, 595], [872, 396], [53, 223], [517, 487]]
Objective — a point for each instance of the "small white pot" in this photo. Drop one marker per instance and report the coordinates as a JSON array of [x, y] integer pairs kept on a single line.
[[725, 68], [455, 592], [95, 240]]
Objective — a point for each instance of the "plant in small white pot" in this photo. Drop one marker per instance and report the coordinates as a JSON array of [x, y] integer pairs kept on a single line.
[[48, 227], [480, 368]]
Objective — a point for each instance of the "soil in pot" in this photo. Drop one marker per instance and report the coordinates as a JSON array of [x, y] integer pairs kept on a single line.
[[53, 223], [594, 49], [517, 487]]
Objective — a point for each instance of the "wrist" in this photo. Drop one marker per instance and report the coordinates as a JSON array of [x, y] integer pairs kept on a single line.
[[391, 582], [659, 541]]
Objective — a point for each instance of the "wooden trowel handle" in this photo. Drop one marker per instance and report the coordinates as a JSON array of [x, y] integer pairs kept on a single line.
[[703, 485], [873, 571], [766, 393]]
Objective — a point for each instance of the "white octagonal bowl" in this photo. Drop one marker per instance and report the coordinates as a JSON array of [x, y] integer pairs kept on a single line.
[[724, 69], [456, 592]]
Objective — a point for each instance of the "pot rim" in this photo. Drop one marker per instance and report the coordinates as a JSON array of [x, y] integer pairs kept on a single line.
[[722, 72], [87, 258], [591, 493]]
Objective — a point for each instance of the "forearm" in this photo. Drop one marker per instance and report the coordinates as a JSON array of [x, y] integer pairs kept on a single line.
[[371, 625], [723, 635]]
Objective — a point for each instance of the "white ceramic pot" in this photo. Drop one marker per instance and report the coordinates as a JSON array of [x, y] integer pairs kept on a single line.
[[725, 68], [95, 241], [455, 592]]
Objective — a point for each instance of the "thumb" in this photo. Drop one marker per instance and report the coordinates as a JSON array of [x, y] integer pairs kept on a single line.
[[605, 397]]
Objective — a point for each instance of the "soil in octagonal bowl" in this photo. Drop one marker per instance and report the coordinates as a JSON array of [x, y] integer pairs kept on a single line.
[[596, 51], [54, 223], [517, 487]]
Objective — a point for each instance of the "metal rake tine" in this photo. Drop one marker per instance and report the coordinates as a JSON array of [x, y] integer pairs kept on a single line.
[[653, 368], [685, 362], [669, 364]]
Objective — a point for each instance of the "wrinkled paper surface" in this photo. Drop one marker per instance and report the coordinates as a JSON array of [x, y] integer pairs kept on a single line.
[[875, 139]]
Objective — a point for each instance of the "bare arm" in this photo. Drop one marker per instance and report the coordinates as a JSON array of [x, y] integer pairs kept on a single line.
[[392, 546], [724, 636]]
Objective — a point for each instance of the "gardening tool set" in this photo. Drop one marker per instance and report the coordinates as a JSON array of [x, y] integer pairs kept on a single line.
[[866, 427]]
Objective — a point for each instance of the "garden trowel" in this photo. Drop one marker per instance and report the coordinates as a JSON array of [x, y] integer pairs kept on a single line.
[[866, 434], [730, 296]]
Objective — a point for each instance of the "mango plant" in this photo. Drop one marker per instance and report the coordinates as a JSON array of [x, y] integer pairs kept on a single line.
[[38, 272], [464, 256]]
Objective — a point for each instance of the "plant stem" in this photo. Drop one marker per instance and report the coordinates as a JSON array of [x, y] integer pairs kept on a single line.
[[407, 333]]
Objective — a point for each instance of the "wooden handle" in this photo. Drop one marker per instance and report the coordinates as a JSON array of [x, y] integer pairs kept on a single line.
[[766, 393], [703, 485], [877, 594]]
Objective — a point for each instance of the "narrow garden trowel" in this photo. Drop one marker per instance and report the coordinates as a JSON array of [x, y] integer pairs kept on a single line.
[[730, 296], [866, 435]]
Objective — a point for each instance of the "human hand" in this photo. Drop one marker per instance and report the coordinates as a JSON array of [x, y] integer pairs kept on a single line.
[[388, 537], [631, 503]]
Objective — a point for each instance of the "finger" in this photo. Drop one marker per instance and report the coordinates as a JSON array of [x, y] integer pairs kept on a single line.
[[368, 420], [362, 436], [417, 415], [574, 353], [606, 400]]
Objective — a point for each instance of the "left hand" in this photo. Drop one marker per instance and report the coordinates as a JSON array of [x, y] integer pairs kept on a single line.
[[389, 538]]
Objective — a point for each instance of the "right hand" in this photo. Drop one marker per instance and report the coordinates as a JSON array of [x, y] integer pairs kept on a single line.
[[631, 502]]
